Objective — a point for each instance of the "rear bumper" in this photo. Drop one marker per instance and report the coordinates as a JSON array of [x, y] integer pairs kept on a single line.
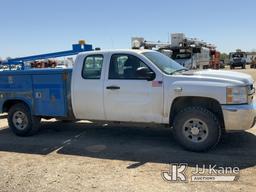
[[237, 64], [239, 117]]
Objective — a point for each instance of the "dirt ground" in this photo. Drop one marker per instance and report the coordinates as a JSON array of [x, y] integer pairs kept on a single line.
[[94, 157]]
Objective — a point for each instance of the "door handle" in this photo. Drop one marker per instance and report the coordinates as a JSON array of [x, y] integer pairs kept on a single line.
[[113, 87]]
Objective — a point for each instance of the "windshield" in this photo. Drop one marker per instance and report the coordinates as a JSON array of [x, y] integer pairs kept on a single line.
[[181, 56], [164, 63], [238, 55]]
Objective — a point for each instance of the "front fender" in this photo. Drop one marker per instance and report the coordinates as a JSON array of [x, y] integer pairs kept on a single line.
[[201, 89], [214, 90]]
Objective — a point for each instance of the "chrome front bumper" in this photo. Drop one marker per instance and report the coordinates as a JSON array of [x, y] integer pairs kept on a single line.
[[239, 117]]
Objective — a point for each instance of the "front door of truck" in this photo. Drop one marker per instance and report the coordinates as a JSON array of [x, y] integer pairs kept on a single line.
[[87, 87], [128, 96]]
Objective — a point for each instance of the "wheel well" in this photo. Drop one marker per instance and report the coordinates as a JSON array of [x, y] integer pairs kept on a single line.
[[208, 103], [8, 104]]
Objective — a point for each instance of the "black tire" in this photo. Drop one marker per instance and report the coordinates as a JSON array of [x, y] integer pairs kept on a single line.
[[243, 66], [231, 67], [30, 124], [209, 130]]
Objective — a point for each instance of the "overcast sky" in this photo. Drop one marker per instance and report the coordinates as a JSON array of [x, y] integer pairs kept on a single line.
[[38, 26]]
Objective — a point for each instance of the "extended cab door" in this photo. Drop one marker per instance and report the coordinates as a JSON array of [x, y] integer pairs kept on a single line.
[[128, 96], [87, 87]]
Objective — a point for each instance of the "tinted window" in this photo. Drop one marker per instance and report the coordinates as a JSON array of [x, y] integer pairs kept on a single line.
[[124, 66], [163, 62], [92, 67]]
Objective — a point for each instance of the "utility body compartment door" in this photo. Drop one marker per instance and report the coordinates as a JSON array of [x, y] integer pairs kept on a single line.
[[49, 95]]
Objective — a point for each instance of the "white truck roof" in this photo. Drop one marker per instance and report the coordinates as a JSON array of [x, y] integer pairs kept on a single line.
[[117, 51]]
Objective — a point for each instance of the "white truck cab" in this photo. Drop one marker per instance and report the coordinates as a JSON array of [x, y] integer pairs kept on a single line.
[[148, 87]]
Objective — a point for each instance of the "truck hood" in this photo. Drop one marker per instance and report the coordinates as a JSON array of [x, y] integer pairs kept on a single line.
[[221, 76]]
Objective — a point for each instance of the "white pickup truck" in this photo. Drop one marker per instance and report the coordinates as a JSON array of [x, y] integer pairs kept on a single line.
[[133, 86]]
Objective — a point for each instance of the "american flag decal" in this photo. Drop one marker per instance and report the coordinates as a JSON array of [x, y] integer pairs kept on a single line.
[[157, 83]]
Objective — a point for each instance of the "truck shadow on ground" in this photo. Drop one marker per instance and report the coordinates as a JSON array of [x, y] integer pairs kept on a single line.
[[137, 144], [3, 116]]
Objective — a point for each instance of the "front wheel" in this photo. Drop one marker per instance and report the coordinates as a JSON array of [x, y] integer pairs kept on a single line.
[[196, 129], [21, 121]]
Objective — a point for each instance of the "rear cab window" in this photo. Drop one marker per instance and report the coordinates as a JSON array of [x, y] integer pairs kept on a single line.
[[92, 67]]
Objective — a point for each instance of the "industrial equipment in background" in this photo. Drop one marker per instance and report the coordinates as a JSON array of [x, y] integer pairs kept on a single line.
[[253, 63], [43, 64], [215, 62], [189, 52], [45, 60], [237, 59], [50, 63], [251, 59]]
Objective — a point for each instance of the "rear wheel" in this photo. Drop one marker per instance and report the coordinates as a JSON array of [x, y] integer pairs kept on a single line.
[[196, 129], [21, 121]]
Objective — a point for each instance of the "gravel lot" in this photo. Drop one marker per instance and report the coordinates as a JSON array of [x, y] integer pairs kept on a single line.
[[94, 157]]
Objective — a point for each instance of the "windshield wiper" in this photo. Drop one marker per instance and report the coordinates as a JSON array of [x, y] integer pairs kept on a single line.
[[179, 70]]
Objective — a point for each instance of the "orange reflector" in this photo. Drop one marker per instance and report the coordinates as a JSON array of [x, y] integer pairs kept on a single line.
[[229, 99], [81, 42], [229, 91]]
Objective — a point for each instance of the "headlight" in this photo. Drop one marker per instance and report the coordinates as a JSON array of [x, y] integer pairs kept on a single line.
[[236, 95]]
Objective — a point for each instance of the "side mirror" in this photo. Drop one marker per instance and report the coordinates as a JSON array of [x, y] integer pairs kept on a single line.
[[144, 72]]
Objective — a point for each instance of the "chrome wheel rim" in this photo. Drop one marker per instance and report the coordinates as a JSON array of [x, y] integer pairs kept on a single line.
[[20, 120], [195, 130]]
